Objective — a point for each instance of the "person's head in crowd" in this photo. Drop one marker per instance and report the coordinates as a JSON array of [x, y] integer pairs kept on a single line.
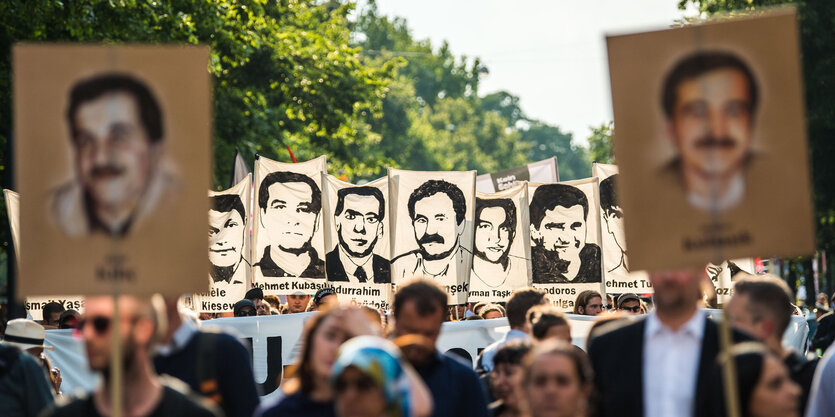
[[676, 292], [375, 315], [495, 228], [457, 312], [274, 302], [761, 306], [492, 311], [51, 313], [629, 303], [244, 308], [519, 303], [369, 379], [325, 298], [27, 335], [588, 303], [297, 303], [547, 323], [69, 319], [430, 207], [763, 384], [323, 334], [478, 306], [822, 302], [556, 380], [419, 307], [506, 376], [256, 295], [474, 317]]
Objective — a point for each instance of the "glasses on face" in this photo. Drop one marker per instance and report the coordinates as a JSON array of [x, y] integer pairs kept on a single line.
[[361, 384], [635, 309], [248, 312], [100, 324]]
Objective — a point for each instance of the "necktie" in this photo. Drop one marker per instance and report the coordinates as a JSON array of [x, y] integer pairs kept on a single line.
[[360, 274]]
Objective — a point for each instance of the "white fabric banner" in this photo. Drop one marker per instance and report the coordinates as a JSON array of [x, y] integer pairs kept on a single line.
[[229, 252], [358, 262], [432, 228], [565, 239], [288, 240], [544, 171], [501, 246], [722, 275]]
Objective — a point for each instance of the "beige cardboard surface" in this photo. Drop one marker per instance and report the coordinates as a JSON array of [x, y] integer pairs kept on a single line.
[[741, 186], [137, 231]]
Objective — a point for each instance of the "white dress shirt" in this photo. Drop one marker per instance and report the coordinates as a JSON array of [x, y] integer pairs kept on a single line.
[[671, 366], [350, 266]]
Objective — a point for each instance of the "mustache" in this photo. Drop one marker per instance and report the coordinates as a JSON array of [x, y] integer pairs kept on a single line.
[[106, 171], [715, 142], [433, 238]]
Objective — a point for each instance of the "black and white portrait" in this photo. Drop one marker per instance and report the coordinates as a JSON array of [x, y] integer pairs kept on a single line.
[[613, 224], [433, 238], [500, 260], [563, 250], [359, 217]]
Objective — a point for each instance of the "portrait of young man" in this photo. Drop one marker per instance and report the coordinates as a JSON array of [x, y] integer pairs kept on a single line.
[[117, 136], [290, 205], [495, 232], [437, 210], [227, 234], [613, 220], [358, 216], [559, 252]]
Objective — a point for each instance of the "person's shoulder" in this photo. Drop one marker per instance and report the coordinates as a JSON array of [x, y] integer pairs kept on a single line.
[[290, 405], [609, 334], [70, 406], [179, 401], [457, 366], [332, 256]]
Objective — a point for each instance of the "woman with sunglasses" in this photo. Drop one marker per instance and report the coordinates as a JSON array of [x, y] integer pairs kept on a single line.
[[371, 379], [309, 393], [556, 381]]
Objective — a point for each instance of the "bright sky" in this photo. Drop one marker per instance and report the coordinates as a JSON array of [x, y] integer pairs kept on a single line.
[[550, 53]]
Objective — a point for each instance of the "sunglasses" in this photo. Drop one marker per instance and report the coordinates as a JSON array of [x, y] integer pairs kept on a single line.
[[100, 324], [361, 384], [635, 309]]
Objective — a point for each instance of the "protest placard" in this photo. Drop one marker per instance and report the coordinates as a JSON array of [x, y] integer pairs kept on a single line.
[[544, 171]]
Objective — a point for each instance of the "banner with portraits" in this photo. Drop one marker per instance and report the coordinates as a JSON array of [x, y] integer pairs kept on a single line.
[[288, 237], [723, 275], [432, 228], [617, 276], [710, 127], [566, 258], [501, 245], [229, 251], [110, 204], [358, 259], [544, 171]]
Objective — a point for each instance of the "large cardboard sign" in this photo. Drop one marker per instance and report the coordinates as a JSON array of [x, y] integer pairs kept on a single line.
[[545, 171], [432, 228], [617, 275], [112, 154], [358, 262], [288, 240], [709, 128], [230, 267], [565, 239], [501, 245]]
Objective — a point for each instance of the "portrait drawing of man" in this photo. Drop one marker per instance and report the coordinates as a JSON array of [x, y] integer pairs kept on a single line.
[[358, 215], [495, 231], [560, 253], [227, 234], [613, 217], [290, 205]]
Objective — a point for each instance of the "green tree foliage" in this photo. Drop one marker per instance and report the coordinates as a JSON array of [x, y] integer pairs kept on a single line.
[[601, 147]]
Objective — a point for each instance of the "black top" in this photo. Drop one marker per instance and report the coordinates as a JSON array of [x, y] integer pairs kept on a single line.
[[456, 390], [316, 268], [336, 271], [300, 405], [174, 403], [802, 371], [546, 271], [825, 332]]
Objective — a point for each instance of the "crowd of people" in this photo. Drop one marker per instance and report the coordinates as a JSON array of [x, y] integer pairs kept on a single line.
[[356, 361]]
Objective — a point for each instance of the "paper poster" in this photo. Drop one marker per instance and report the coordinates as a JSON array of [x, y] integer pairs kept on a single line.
[[432, 228], [711, 141], [722, 276], [112, 156], [544, 171], [565, 239], [358, 262], [617, 276], [288, 237], [229, 252], [501, 245]]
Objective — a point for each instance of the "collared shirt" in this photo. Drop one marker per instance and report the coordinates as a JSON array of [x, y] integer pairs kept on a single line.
[[180, 338], [485, 361], [671, 366], [351, 267]]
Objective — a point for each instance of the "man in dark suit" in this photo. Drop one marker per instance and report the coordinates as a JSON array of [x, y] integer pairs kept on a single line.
[[658, 366], [359, 217]]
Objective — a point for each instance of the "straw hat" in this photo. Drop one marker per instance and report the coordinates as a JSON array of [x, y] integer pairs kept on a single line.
[[25, 334]]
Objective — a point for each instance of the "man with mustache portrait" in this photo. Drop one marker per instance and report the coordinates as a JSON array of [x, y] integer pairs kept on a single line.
[[709, 100], [560, 253], [120, 174], [437, 209], [358, 216], [227, 232]]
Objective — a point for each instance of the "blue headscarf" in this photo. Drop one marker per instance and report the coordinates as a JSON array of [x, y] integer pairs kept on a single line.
[[381, 361]]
